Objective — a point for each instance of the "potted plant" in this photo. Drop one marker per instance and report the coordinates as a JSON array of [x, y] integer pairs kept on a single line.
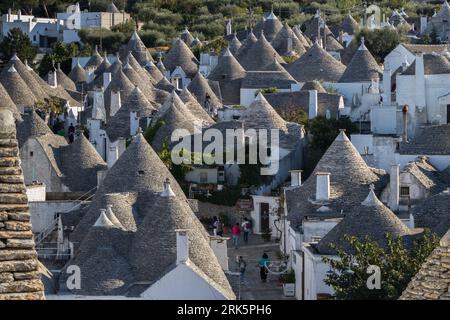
[[288, 281]]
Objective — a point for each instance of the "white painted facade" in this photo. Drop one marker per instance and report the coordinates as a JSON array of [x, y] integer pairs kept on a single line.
[[274, 220], [37, 29]]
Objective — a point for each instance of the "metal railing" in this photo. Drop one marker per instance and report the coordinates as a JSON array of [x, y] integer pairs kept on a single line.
[[39, 237]]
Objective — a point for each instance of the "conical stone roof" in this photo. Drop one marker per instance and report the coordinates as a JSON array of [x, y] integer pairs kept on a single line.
[[95, 60], [165, 85], [316, 64], [119, 124], [175, 116], [180, 55], [201, 89], [195, 108], [78, 74], [433, 213], [301, 37], [369, 219], [246, 45], [63, 80], [31, 126], [281, 43], [119, 82], [349, 25], [144, 84], [431, 281], [313, 85], [79, 162], [271, 26], [362, 68], [138, 170], [349, 181], [261, 115], [103, 67], [187, 37], [259, 56], [229, 74], [17, 89], [27, 78], [154, 72], [7, 103], [234, 45]]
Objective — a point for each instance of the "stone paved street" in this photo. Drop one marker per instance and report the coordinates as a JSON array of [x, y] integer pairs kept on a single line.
[[251, 287]]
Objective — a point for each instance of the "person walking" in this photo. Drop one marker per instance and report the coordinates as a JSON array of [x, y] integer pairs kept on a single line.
[[236, 233], [71, 133], [263, 263], [242, 265], [246, 229]]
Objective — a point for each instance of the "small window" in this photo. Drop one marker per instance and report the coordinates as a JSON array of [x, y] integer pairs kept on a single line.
[[404, 191], [34, 38], [31, 153], [141, 172]]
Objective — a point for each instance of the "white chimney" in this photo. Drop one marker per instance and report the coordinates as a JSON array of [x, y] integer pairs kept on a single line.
[[412, 223], [182, 246], [229, 27], [98, 108], [106, 79], [113, 155], [394, 186], [423, 24], [387, 86], [134, 123], [115, 103], [420, 81], [101, 174], [323, 186], [52, 79], [313, 105], [8, 17], [167, 192], [289, 44], [296, 178]]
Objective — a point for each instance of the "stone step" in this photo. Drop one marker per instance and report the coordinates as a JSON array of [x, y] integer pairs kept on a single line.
[[9, 152], [10, 171], [9, 162], [8, 143], [12, 188], [13, 198]]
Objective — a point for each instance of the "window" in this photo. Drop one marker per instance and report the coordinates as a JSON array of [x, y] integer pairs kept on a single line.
[[141, 172], [31, 153], [404, 191], [34, 38]]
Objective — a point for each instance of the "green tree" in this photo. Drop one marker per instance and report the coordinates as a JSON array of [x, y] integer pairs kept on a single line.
[[348, 273], [381, 42], [63, 53], [324, 130], [18, 42]]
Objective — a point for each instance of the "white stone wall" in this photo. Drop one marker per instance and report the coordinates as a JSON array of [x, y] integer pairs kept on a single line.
[[36, 192], [195, 174], [182, 283], [317, 228], [43, 212], [38, 167]]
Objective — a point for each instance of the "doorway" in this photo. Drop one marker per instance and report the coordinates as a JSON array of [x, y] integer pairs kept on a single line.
[[264, 217], [448, 114]]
